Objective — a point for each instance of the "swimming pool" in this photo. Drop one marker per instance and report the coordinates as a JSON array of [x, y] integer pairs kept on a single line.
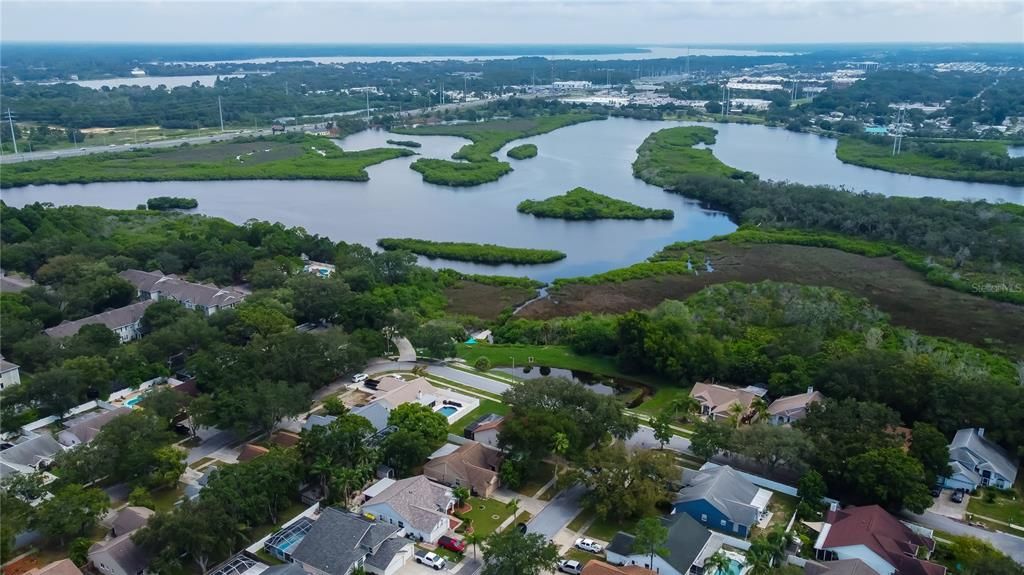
[[448, 410], [735, 567], [131, 402]]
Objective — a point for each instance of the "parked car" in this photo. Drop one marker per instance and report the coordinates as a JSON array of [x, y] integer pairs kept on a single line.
[[359, 377], [936, 490], [451, 544], [430, 559], [588, 545], [570, 566], [957, 497]]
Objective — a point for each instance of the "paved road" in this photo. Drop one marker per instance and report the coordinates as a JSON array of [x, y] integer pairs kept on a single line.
[[457, 375], [644, 438], [1009, 544], [406, 352], [558, 513], [213, 439]]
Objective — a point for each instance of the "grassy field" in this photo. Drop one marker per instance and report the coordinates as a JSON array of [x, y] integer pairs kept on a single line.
[[483, 300], [470, 252], [480, 165], [291, 157], [486, 406], [584, 204], [661, 399], [523, 152], [561, 356], [670, 153], [487, 515], [905, 294], [877, 153], [1008, 506]]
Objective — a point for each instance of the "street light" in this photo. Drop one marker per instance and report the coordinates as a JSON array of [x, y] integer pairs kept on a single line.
[[513, 358]]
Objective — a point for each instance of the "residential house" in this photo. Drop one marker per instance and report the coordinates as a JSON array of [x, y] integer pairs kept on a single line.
[[207, 298], [976, 461], [416, 505], [485, 429], [339, 542], [125, 321], [119, 555], [840, 567], [878, 539], [598, 567], [85, 428], [721, 498], [718, 401], [10, 374], [392, 392], [316, 421], [688, 544], [790, 408], [471, 465], [62, 567], [33, 454]]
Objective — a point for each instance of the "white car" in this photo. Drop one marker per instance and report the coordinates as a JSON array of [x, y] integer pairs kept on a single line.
[[570, 566], [360, 377], [588, 545], [430, 560]]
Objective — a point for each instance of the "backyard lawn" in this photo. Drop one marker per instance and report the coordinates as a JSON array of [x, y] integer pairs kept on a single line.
[[486, 406], [782, 507], [487, 515], [605, 529], [283, 517], [164, 499], [1007, 506]]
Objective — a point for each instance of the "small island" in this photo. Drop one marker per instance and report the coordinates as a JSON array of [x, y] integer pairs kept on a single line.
[[584, 204], [406, 143], [469, 252], [522, 152], [163, 203]]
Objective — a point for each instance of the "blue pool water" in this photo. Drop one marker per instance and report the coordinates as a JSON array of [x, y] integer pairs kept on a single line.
[[131, 402], [447, 410], [735, 567]]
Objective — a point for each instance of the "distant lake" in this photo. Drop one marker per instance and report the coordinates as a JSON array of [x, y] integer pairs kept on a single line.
[[153, 81], [597, 155], [1016, 151]]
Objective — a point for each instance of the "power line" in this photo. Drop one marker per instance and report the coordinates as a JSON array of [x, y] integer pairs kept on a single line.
[[14, 140]]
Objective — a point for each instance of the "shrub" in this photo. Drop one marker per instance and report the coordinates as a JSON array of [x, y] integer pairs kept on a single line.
[[482, 363]]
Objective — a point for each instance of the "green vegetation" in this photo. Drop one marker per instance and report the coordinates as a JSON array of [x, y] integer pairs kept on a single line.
[[668, 154], [583, 204], [480, 165], [486, 515], [504, 281], [486, 406], [523, 152], [560, 356], [636, 271], [406, 143], [1002, 505], [288, 157], [984, 161], [470, 252], [168, 203]]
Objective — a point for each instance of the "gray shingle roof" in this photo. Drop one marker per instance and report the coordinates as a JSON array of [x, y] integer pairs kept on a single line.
[[129, 556], [686, 539], [421, 502], [726, 490], [31, 451], [86, 429], [131, 518], [112, 319], [172, 287], [971, 448], [286, 569], [6, 366], [387, 551], [338, 539]]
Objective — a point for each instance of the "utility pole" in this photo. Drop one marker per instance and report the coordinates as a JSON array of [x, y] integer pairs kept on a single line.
[[221, 111], [10, 120], [367, 92]]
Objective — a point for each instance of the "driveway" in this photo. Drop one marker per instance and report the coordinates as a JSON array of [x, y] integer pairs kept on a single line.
[[943, 505], [1009, 544], [644, 439], [406, 352], [558, 513], [213, 440]]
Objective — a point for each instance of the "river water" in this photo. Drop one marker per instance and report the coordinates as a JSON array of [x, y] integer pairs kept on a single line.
[[597, 155]]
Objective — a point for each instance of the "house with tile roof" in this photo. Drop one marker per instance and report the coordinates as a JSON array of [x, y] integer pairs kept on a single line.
[[206, 298], [688, 544], [338, 542], [722, 499], [416, 505], [717, 401], [790, 408], [879, 540], [472, 465], [975, 461], [598, 567], [840, 567], [392, 392], [125, 321]]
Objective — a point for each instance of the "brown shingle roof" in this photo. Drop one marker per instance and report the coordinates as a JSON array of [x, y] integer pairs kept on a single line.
[[598, 567], [471, 464], [62, 567], [885, 535]]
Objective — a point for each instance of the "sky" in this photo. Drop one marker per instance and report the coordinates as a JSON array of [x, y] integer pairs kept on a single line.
[[521, 22]]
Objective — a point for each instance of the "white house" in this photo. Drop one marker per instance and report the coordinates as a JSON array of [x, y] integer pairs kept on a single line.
[[688, 544], [125, 321], [10, 374], [416, 505], [879, 540], [976, 461], [485, 430]]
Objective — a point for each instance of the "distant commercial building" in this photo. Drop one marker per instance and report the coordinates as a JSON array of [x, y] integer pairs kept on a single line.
[[571, 85], [204, 297]]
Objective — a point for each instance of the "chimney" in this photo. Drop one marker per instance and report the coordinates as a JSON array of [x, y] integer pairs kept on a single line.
[[981, 432]]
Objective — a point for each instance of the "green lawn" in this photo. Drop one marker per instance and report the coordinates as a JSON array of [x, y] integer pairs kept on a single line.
[[546, 355], [450, 556], [486, 406], [605, 529], [164, 499], [662, 397], [782, 507], [1008, 505], [487, 515], [582, 556], [580, 520]]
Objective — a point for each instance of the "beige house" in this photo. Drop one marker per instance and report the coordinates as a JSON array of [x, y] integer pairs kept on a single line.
[[471, 465], [62, 567], [718, 401], [786, 410]]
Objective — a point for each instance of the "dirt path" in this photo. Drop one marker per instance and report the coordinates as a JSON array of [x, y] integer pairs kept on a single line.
[[887, 283]]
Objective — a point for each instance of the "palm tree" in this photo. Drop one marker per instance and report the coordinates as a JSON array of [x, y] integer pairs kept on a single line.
[[461, 495], [760, 409], [323, 467], [347, 480], [685, 405], [759, 560], [474, 539], [775, 543], [513, 504], [736, 412], [559, 445], [717, 564]]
